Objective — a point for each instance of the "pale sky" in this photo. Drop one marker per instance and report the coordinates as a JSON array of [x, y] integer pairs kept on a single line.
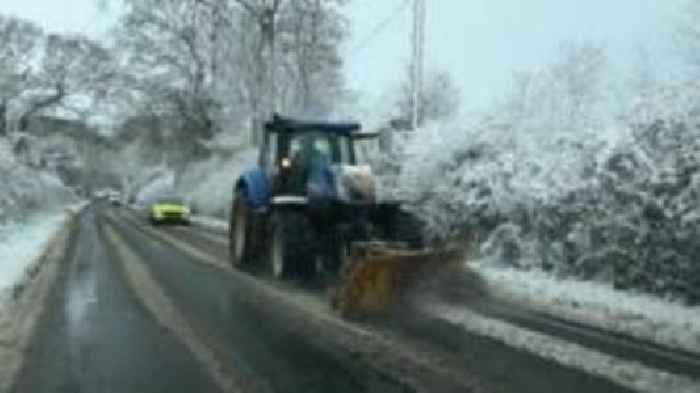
[[80, 16], [479, 41]]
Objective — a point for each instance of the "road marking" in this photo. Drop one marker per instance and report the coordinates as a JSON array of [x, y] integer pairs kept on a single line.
[[624, 372], [166, 313]]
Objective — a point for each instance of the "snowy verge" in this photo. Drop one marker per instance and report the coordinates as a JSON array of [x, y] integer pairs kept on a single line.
[[626, 373], [22, 246], [25, 294], [639, 315]]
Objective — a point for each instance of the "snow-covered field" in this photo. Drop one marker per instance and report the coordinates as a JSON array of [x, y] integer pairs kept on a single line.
[[640, 315], [22, 244]]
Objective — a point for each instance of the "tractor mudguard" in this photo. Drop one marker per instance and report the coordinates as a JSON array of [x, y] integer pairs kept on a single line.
[[257, 188]]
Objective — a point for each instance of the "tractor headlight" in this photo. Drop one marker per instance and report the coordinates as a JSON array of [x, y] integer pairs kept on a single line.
[[286, 163]]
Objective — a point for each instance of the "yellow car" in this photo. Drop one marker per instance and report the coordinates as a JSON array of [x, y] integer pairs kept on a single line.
[[169, 209]]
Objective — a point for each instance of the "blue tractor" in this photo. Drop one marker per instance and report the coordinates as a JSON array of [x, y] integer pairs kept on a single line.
[[308, 209]]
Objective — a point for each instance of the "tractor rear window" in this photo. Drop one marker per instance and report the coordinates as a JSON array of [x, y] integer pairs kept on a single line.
[[345, 150], [332, 147], [319, 144]]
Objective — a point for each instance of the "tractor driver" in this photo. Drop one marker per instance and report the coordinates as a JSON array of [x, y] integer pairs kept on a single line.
[[309, 159]]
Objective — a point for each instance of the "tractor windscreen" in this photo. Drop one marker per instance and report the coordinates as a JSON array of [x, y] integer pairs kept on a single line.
[[306, 156], [327, 147]]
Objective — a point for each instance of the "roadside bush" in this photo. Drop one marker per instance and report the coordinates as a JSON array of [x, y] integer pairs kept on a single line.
[[26, 191], [619, 206]]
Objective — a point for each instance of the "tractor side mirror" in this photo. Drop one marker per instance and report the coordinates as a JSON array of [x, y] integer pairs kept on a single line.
[[360, 136]]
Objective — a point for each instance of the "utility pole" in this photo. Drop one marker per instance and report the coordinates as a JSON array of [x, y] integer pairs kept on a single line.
[[417, 60], [269, 16]]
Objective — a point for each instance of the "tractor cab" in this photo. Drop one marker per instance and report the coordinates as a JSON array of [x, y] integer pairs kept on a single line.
[[295, 152], [309, 210]]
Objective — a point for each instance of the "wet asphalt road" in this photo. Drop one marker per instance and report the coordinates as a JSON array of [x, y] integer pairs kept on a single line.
[[98, 336], [249, 334]]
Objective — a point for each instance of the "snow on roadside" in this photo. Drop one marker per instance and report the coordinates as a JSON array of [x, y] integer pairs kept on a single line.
[[210, 222], [21, 244], [41, 241], [627, 373], [639, 315]]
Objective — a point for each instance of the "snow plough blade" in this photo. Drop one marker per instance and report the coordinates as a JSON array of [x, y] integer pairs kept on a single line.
[[378, 274]]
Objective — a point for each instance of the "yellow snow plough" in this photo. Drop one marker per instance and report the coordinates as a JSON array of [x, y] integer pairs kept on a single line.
[[377, 274], [309, 210]]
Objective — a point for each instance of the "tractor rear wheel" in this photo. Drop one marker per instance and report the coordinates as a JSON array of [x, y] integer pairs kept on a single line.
[[280, 247], [239, 230], [291, 245]]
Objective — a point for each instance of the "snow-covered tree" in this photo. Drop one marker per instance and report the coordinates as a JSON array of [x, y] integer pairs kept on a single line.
[[641, 85], [688, 35], [440, 98], [262, 36], [74, 72], [169, 58], [311, 32], [578, 77], [209, 62], [569, 94], [19, 43], [40, 73]]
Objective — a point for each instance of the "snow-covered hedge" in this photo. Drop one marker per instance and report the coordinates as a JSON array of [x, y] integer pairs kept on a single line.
[[26, 190], [619, 205]]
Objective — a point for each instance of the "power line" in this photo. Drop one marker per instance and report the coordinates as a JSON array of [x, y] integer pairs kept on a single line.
[[381, 26]]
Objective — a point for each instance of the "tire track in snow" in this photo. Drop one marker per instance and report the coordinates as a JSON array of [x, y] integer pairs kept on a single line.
[[626, 373]]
